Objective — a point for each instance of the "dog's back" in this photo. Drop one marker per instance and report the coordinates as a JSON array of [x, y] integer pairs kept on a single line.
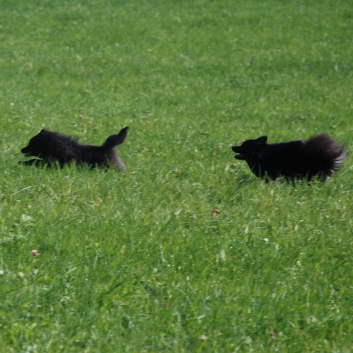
[[318, 156], [104, 155]]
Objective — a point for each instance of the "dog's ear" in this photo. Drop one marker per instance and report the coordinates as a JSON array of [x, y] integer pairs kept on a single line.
[[262, 139], [43, 130]]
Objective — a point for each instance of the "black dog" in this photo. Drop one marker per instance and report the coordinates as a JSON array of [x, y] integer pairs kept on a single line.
[[54, 148], [319, 156]]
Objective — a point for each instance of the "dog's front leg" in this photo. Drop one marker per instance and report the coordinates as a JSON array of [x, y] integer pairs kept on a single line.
[[35, 162]]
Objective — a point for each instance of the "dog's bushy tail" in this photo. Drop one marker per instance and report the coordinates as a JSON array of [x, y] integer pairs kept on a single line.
[[115, 140], [327, 152]]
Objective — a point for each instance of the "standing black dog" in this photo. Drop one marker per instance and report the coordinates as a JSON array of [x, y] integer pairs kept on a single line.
[[56, 149], [319, 156]]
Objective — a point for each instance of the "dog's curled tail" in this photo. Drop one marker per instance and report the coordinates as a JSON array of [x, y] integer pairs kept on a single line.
[[115, 140], [327, 152]]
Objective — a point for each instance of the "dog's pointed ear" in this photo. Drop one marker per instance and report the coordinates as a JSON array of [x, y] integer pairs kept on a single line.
[[262, 139], [43, 130]]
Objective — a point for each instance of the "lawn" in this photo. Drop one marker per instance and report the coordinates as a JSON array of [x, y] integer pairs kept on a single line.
[[187, 251]]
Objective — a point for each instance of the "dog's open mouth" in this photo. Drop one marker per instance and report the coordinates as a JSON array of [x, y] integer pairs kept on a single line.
[[238, 150], [239, 156]]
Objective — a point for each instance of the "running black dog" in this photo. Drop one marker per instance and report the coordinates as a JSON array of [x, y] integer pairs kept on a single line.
[[319, 157], [56, 149]]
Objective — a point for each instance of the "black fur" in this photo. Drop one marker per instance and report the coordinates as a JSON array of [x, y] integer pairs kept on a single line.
[[53, 148], [319, 156]]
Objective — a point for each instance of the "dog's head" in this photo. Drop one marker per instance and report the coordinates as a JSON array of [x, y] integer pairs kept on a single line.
[[250, 148], [37, 145]]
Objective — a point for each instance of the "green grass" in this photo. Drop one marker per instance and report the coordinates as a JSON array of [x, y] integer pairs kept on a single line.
[[138, 261]]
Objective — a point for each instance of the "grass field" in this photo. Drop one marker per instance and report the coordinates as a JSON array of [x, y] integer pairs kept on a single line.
[[188, 251]]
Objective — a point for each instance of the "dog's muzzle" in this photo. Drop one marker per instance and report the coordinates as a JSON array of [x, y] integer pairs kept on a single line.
[[238, 149]]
